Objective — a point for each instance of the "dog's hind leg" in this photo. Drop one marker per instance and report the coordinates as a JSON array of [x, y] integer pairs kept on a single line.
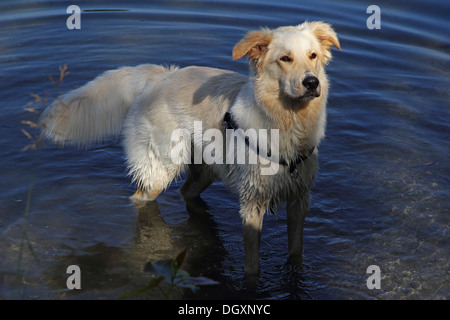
[[148, 156], [145, 195], [199, 178], [151, 173]]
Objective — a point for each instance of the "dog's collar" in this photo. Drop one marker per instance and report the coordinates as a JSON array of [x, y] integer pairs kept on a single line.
[[231, 124]]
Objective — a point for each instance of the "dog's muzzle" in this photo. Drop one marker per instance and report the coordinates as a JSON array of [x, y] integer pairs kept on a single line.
[[311, 83]]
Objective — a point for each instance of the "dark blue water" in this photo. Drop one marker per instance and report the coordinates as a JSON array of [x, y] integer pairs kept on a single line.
[[381, 196]]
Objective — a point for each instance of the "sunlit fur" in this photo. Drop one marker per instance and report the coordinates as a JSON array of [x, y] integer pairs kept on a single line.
[[146, 103]]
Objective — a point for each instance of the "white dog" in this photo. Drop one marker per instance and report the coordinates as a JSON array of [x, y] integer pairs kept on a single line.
[[287, 91]]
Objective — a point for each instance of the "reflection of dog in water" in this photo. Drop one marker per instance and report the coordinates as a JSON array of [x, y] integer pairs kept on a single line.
[[287, 91], [153, 233], [157, 240]]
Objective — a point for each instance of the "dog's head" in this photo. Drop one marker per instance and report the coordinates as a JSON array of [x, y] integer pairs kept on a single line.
[[290, 59]]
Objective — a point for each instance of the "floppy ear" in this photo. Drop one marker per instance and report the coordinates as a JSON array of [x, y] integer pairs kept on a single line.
[[254, 45], [326, 36]]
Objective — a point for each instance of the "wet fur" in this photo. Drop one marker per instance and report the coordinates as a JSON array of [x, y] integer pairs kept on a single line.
[[147, 102]]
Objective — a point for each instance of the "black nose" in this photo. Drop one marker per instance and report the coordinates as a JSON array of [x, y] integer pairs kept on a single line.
[[311, 83]]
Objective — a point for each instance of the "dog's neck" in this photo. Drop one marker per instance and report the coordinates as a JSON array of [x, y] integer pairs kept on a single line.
[[298, 125]]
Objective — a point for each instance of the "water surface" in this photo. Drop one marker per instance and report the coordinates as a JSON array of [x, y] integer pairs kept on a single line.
[[381, 196]]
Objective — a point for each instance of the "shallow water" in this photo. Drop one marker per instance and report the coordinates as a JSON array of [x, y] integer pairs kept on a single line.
[[381, 196]]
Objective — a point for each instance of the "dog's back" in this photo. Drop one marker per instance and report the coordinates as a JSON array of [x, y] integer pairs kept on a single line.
[[98, 109]]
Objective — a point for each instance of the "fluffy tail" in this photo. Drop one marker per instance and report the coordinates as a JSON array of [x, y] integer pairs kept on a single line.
[[97, 110]]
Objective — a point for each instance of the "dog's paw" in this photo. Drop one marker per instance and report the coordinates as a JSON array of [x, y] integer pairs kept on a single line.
[[141, 196]]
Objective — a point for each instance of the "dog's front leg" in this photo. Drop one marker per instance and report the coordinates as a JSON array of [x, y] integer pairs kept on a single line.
[[296, 212], [252, 220]]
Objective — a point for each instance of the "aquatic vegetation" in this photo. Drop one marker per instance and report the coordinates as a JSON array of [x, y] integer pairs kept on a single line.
[[172, 273]]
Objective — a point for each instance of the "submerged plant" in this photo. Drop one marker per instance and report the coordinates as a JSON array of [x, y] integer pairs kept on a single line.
[[35, 143], [170, 271]]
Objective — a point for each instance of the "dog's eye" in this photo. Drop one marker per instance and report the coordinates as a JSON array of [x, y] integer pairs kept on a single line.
[[313, 55], [286, 59]]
